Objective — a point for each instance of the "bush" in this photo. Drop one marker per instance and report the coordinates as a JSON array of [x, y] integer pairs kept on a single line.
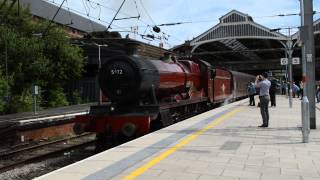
[[76, 97], [50, 61], [57, 98], [3, 95], [21, 103]]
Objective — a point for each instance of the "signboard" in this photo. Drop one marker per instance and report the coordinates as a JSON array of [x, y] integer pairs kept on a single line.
[[280, 74], [35, 90], [309, 57], [284, 61], [295, 60]]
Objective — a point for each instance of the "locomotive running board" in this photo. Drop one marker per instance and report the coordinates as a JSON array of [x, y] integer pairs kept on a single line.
[[146, 110], [182, 103]]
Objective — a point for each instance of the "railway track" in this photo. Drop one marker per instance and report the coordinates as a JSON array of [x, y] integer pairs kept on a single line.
[[14, 158]]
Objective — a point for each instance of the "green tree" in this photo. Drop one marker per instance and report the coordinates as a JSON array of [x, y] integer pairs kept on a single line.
[[3, 93], [49, 61]]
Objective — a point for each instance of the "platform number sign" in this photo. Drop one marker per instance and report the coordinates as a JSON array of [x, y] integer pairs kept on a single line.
[[284, 61], [35, 90], [296, 60], [309, 57]]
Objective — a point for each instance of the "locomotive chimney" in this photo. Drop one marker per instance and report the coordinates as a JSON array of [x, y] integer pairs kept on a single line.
[[132, 48]]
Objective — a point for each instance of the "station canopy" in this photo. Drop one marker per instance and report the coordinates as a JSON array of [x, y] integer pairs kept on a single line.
[[239, 43]]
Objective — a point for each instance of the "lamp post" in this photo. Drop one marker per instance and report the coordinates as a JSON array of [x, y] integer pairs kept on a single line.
[[99, 66], [308, 57], [289, 51], [289, 46]]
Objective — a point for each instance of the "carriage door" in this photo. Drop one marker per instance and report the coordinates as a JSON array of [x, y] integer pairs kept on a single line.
[[211, 76], [235, 88]]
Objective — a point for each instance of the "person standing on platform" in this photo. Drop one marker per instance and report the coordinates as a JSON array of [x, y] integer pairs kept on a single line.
[[251, 91], [273, 90], [264, 84], [301, 90], [318, 94], [283, 88], [295, 90]]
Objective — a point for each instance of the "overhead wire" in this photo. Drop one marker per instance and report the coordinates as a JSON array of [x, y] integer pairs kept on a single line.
[[109, 26], [106, 7], [123, 13], [135, 3], [71, 22], [147, 12], [97, 5], [85, 7], [88, 12], [84, 14], [90, 3], [56, 13], [203, 21], [285, 15], [147, 25]]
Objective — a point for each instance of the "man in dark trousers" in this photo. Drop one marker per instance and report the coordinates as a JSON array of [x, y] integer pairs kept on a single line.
[[272, 91], [264, 84]]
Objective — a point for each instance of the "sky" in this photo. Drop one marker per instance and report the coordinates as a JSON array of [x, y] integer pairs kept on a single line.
[[197, 15]]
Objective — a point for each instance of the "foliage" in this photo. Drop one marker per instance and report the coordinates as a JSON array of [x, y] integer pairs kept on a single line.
[[57, 98], [20, 103], [3, 95], [48, 61], [76, 97]]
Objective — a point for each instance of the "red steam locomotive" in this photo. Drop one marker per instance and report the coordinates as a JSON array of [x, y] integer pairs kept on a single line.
[[149, 94]]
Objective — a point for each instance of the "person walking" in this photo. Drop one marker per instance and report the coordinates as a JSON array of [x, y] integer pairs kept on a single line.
[[251, 91], [264, 84]]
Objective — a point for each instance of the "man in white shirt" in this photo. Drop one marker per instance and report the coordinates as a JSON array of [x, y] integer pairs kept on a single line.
[[264, 84]]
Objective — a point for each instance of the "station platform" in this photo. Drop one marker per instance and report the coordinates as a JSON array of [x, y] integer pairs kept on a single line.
[[22, 128], [21, 119], [222, 144]]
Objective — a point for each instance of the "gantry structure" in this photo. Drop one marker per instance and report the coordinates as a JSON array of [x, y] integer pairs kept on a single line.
[[239, 43]]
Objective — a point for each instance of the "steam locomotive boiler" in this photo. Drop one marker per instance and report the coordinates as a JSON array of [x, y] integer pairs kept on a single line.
[[127, 79], [148, 94]]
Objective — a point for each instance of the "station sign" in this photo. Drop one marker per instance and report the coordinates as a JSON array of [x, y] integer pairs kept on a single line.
[[283, 61], [309, 57], [295, 60], [35, 90], [280, 74]]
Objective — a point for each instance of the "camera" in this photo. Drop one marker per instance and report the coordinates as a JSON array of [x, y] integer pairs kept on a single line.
[[259, 78]]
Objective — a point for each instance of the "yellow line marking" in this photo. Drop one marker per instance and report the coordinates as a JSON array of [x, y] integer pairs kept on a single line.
[[137, 172]]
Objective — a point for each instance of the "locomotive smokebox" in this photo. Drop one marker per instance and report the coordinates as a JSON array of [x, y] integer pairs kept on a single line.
[[125, 78]]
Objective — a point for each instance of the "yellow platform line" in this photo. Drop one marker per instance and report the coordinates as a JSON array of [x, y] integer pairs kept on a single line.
[[137, 172]]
